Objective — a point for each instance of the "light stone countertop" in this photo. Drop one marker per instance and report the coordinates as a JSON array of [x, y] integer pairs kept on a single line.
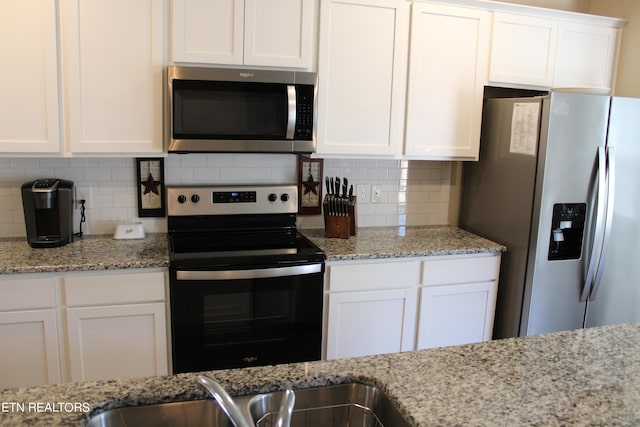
[[578, 378], [88, 253], [102, 252], [394, 242]]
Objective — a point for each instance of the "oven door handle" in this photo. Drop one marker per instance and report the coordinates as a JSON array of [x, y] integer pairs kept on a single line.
[[261, 273]]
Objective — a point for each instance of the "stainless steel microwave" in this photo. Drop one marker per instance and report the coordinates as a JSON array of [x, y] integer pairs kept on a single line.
[[240, 110]]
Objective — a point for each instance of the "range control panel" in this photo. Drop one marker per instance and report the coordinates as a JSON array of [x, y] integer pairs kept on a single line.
[[234, 197], [231, 200], [567, 231]]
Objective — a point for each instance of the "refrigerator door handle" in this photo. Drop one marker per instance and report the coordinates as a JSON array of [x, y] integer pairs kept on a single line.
[[598, 233], [611, 178]]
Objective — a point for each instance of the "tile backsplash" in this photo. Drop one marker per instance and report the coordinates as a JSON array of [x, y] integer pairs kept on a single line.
[[409, 192]]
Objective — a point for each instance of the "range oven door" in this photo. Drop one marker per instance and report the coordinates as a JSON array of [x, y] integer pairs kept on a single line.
[[238, 318]]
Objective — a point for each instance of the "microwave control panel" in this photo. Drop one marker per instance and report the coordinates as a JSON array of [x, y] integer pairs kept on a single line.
[[304, 113]]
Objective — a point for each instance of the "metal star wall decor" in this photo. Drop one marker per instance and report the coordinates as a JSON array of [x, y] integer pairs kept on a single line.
[[151, 197]]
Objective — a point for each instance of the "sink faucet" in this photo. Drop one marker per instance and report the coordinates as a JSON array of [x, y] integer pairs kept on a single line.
[[286, 408], [225, 401], [235, 414]]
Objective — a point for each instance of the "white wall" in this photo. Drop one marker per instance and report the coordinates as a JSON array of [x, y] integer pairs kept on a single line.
[[414, 193]]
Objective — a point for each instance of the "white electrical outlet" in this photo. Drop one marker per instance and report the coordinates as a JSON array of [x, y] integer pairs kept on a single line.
[[83, 193], [362, 192], [376, 194]]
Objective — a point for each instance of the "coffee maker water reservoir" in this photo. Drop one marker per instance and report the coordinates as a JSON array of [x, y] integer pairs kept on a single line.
[[48, 212]]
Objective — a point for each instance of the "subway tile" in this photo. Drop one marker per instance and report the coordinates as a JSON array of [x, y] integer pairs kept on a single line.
[[193, 161], [205, 175], [413, 192]]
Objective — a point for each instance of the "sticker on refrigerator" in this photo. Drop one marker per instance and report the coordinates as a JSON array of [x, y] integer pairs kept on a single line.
[[524, 128]]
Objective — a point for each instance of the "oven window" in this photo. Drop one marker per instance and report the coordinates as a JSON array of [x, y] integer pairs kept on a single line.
[[245, 316], [229, 110]]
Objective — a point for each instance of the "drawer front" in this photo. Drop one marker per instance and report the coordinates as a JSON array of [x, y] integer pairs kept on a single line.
[[102, 289], [369, 275], [445, 271], [27, 293]]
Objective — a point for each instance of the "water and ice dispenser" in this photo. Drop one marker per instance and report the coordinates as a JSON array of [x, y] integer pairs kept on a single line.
[[567, 231]]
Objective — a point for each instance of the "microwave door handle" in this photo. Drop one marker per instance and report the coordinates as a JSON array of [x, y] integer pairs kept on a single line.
[[291, 111]]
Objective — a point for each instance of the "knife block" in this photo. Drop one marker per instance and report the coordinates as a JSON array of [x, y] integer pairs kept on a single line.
[[340, 226]]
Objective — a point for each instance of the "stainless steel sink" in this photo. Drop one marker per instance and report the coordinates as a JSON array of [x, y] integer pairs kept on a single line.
[[350, 404], [191, 413], [340, 405]]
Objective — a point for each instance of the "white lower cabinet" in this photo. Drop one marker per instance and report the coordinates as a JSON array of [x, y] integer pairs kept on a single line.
[[28, 332], [116, 325], [371, 307], [82, 326], [457, 300], [456, 314], [386, 306], [29, 353], [371, 322]]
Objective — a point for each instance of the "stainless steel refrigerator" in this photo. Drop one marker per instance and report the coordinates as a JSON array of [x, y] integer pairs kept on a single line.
[[558, 183]]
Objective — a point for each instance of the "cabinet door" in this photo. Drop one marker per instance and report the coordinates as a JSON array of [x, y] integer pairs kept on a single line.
[[207, 31], [456, 314], [371, 322], [112, 61], [586, 56], [279, 33], [29, 116], [444, 96], [119, 341], [523, 50], [29, 355], [361, 76]]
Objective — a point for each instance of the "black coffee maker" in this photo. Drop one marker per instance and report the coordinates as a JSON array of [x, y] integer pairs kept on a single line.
[[48, 212]]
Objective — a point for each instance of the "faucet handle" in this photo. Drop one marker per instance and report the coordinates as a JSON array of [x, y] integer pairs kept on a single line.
[[286, 408]]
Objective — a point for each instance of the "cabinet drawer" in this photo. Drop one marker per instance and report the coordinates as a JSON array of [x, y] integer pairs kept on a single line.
[[92, 289], [379, 275], [27, 293], [444, 271]]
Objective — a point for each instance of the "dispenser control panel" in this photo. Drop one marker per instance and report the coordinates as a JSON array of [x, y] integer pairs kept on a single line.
[[567, 231]]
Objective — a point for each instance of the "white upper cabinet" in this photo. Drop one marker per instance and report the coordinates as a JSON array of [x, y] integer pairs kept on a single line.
[[523, 49], [278, 33], [445, 90], [207, 31], [112, 62], [362, 76], [111, 57], [586, 56], [554, 52], [29, 114]]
